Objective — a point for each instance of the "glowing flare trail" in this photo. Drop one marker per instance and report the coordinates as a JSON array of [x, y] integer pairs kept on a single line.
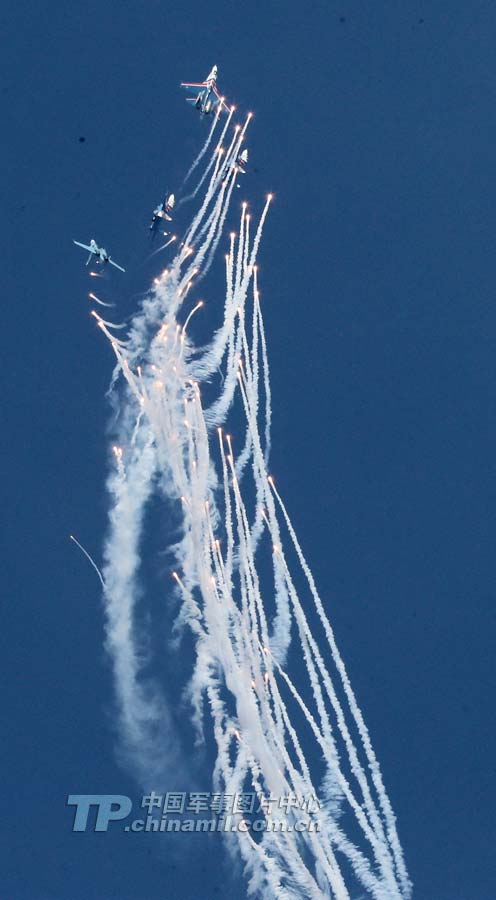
[[281, 709]]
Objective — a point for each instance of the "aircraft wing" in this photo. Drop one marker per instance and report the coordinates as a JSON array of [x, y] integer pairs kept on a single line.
[[210, 86], [84, 246], [221, 100], [194, 85], [117, 266]]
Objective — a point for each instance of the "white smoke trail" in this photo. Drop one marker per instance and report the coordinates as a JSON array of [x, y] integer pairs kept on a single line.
[[205, 147], [216, 154], [90, 559], [276, 733]]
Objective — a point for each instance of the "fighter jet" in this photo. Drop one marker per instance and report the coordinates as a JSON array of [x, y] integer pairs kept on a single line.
[[237, 165], [207, 96], [163, 211], [94, 250], [241, 161]]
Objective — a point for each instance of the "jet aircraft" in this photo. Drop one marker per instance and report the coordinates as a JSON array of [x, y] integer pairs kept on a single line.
[[163, 211], [94, 250], [207, 96], [241, 161], [237, 165]]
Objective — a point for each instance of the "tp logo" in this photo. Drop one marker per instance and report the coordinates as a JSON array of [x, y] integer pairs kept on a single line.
[[110, 808]]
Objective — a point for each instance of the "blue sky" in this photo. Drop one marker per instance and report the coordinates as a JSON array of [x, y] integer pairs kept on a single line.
[[374, 126]]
